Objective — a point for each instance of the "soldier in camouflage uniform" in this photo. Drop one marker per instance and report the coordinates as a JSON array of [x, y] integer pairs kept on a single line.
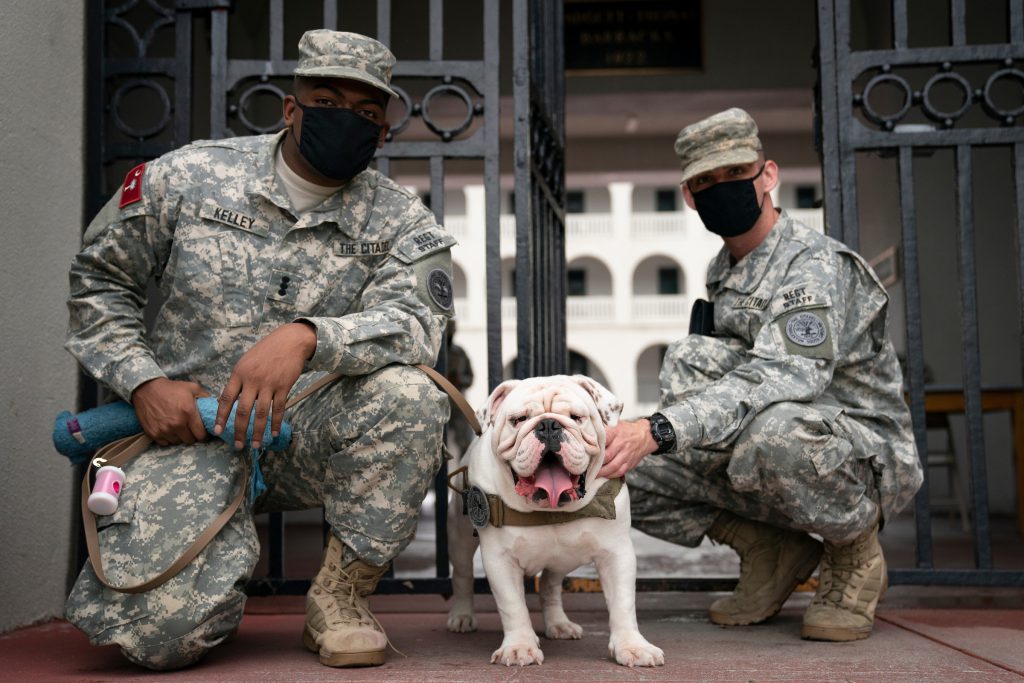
[[278, 258], [785, 415]]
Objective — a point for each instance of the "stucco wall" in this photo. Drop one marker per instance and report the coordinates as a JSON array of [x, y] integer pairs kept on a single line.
[[41, 147]]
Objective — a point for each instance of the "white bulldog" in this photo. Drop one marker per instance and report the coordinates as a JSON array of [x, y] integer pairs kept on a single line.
[[540, 451]]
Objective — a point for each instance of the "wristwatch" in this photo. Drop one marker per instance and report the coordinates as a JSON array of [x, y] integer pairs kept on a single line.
[[662, 432]]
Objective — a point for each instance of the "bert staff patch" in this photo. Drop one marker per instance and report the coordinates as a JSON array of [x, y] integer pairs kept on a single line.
[[807, 333], [806, 329], [131, 189]]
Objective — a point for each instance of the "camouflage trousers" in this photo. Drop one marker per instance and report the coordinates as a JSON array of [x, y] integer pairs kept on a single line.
[[799, 466], [365, 448]]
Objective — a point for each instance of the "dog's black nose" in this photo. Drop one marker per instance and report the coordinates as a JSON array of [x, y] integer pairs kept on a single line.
[[548, 431]]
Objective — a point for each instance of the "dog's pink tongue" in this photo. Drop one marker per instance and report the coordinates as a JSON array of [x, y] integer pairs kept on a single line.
[[554, 480]]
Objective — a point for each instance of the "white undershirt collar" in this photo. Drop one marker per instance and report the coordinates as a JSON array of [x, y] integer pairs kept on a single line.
[[303, 194]]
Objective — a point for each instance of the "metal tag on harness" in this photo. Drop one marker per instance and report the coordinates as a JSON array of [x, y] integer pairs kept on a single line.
[[477, 507]]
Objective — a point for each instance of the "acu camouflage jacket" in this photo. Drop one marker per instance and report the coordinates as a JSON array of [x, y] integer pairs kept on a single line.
[[801, 318], [212, 223]]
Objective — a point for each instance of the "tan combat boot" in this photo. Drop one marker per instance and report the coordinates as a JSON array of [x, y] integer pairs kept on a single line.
[[852, 580], [773, 562], [339, 624]]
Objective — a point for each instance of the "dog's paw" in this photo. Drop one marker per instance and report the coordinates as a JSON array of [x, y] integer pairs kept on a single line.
[[461, 622], [518, 653], [564, 630], [635, 651]]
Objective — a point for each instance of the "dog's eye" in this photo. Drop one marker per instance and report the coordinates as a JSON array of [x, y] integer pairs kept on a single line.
[[577, 418], [518, 420]]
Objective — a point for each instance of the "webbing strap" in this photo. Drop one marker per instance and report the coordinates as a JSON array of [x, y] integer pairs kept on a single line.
[[457, 398], [116, 454], [460, 401]]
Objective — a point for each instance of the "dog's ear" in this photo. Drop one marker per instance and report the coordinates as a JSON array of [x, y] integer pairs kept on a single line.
[[487, 414], [608, 407]]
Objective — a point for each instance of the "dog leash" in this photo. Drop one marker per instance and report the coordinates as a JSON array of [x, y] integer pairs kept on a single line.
[[440, 380], [121, 451], [116, 454]]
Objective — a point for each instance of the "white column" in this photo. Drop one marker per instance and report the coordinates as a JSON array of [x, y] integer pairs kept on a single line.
[[472, 318], [472, 256], [621, 194]]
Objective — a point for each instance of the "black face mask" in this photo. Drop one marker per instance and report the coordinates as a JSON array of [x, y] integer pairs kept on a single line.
[[337, 142], [729, 208]]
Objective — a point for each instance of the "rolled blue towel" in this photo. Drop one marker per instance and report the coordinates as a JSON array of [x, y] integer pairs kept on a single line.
[[76, 436]]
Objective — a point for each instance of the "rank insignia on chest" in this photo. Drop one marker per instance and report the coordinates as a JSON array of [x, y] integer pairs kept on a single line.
[[131, 188]]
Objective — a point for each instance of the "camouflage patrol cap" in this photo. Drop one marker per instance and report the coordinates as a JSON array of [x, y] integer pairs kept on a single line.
[[728, 137], [338, 54]]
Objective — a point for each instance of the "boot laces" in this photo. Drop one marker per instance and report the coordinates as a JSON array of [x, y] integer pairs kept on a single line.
[[839, 566], [350, 591]]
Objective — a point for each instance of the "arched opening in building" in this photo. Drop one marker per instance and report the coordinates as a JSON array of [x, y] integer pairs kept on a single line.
[[588, 276], [508, 276], [458, 281], [588, 200], [648, 365], [658, 275], [579, 364]]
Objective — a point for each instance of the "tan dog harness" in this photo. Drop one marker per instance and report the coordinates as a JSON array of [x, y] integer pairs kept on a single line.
[[488, 508]]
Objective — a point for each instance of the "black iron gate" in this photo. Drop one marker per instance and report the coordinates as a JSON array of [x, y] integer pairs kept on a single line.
[[883, 96], [539, 94], [156, 67]]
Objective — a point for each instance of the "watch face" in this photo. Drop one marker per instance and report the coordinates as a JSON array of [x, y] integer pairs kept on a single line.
[[662, 432]]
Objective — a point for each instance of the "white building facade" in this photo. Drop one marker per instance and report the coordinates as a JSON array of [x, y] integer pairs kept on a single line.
[[633, 274]]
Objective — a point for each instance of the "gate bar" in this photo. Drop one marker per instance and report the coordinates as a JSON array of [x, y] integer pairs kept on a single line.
[[899, 24], [276, 30], [972, 357], [331, 14], [915, 351], [492, 193], [830, 154], [183, 78], [436, 30], [958, 22], [1018, 177]]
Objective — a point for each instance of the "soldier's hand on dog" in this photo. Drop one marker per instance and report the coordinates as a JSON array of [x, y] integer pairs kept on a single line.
[[262, 378], [167, 411], [626, 444]]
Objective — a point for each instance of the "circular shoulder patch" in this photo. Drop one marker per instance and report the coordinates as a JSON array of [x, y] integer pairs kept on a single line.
[[806, 329], [439, 286], [477, 508]]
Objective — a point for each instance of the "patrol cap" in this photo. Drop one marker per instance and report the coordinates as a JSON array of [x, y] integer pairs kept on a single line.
[[726, 138], [339, 54]]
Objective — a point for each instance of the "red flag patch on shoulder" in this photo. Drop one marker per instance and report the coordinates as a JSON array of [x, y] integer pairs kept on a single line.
[[131, 190]]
